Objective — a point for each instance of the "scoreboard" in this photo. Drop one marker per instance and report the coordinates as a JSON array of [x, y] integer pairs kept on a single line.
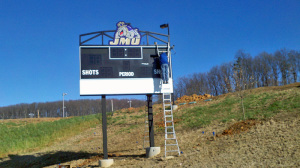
[[117, 70]]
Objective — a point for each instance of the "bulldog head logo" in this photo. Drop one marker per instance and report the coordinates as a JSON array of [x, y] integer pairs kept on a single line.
[[126, 35]]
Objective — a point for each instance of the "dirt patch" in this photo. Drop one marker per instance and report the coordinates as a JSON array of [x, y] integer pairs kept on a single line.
[[239, 127], [160, 122], [93, 159], [194, 97]]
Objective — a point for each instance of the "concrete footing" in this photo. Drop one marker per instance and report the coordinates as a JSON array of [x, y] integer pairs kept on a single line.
[[106, 162], [175, 107], [152, 151]]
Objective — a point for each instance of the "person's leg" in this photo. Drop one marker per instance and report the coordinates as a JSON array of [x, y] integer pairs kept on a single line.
[[167, 73]]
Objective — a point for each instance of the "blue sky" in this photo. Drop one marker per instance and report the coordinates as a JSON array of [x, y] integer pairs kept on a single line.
[[39, 39]]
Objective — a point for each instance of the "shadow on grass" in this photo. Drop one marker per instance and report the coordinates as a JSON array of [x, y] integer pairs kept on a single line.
[[42, 160]]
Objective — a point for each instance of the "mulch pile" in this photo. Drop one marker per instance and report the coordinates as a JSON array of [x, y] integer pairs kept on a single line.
[[192, 98]]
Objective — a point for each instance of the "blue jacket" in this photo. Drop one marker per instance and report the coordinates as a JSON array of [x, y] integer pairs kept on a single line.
[[163, 58]]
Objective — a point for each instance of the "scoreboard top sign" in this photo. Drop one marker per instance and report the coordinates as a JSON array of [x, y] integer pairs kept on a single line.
[[126, 35], [123, 66]]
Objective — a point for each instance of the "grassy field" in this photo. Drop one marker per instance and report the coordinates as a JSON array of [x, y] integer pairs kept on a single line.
[[18, 136], [273, 139], [259, 104]]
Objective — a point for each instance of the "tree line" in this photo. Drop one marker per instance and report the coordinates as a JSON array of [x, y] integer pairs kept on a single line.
[[72, 108], [244, 72]]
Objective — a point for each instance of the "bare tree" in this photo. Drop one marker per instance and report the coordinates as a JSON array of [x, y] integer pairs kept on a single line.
[[213, 82], [293, 64], [266, 70], [283, 65], [239, 75], [226, 76]]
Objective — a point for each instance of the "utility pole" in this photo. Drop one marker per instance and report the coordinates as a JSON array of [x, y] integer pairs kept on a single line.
[[129, 103], [64, 104], [112, 106]]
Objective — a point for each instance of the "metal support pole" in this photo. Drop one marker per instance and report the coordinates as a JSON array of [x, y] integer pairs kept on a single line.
[[129, 103], [104, 127], [169, 33], [63, 105], [172, 64], [150, 119]]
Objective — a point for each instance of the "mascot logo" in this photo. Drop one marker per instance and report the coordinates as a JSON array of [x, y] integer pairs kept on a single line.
[[126, 35]]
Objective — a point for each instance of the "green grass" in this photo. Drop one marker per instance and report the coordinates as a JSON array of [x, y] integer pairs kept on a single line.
[[200, 116], [127, 129], [138, 116], [257, 106], [17, 138]]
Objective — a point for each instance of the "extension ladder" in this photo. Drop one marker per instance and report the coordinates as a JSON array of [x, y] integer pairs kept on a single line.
[[171, 143]]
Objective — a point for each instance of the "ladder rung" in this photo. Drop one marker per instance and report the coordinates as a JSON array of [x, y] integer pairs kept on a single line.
[[169, 121], [171, 144], [170, 132], [168, 116], [170, 138], [170, 112], [170, 127]]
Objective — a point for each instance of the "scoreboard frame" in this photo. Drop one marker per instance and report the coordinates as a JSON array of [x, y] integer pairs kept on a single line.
[[126, 72], [127, 84]]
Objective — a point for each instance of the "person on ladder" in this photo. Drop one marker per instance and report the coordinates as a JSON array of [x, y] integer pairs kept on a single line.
[[164, 63]]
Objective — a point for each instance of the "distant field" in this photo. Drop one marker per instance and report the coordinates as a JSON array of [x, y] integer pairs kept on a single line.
[[25, 121], [269, 137]]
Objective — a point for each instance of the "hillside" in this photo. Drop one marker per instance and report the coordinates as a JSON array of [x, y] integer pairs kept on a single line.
[[269, 137]]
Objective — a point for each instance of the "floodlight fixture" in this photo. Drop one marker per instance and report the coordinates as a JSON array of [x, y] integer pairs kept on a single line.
[[164, 26]]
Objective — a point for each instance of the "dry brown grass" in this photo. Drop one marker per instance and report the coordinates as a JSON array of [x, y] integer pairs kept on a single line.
[[29, 120], [270, 143]]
